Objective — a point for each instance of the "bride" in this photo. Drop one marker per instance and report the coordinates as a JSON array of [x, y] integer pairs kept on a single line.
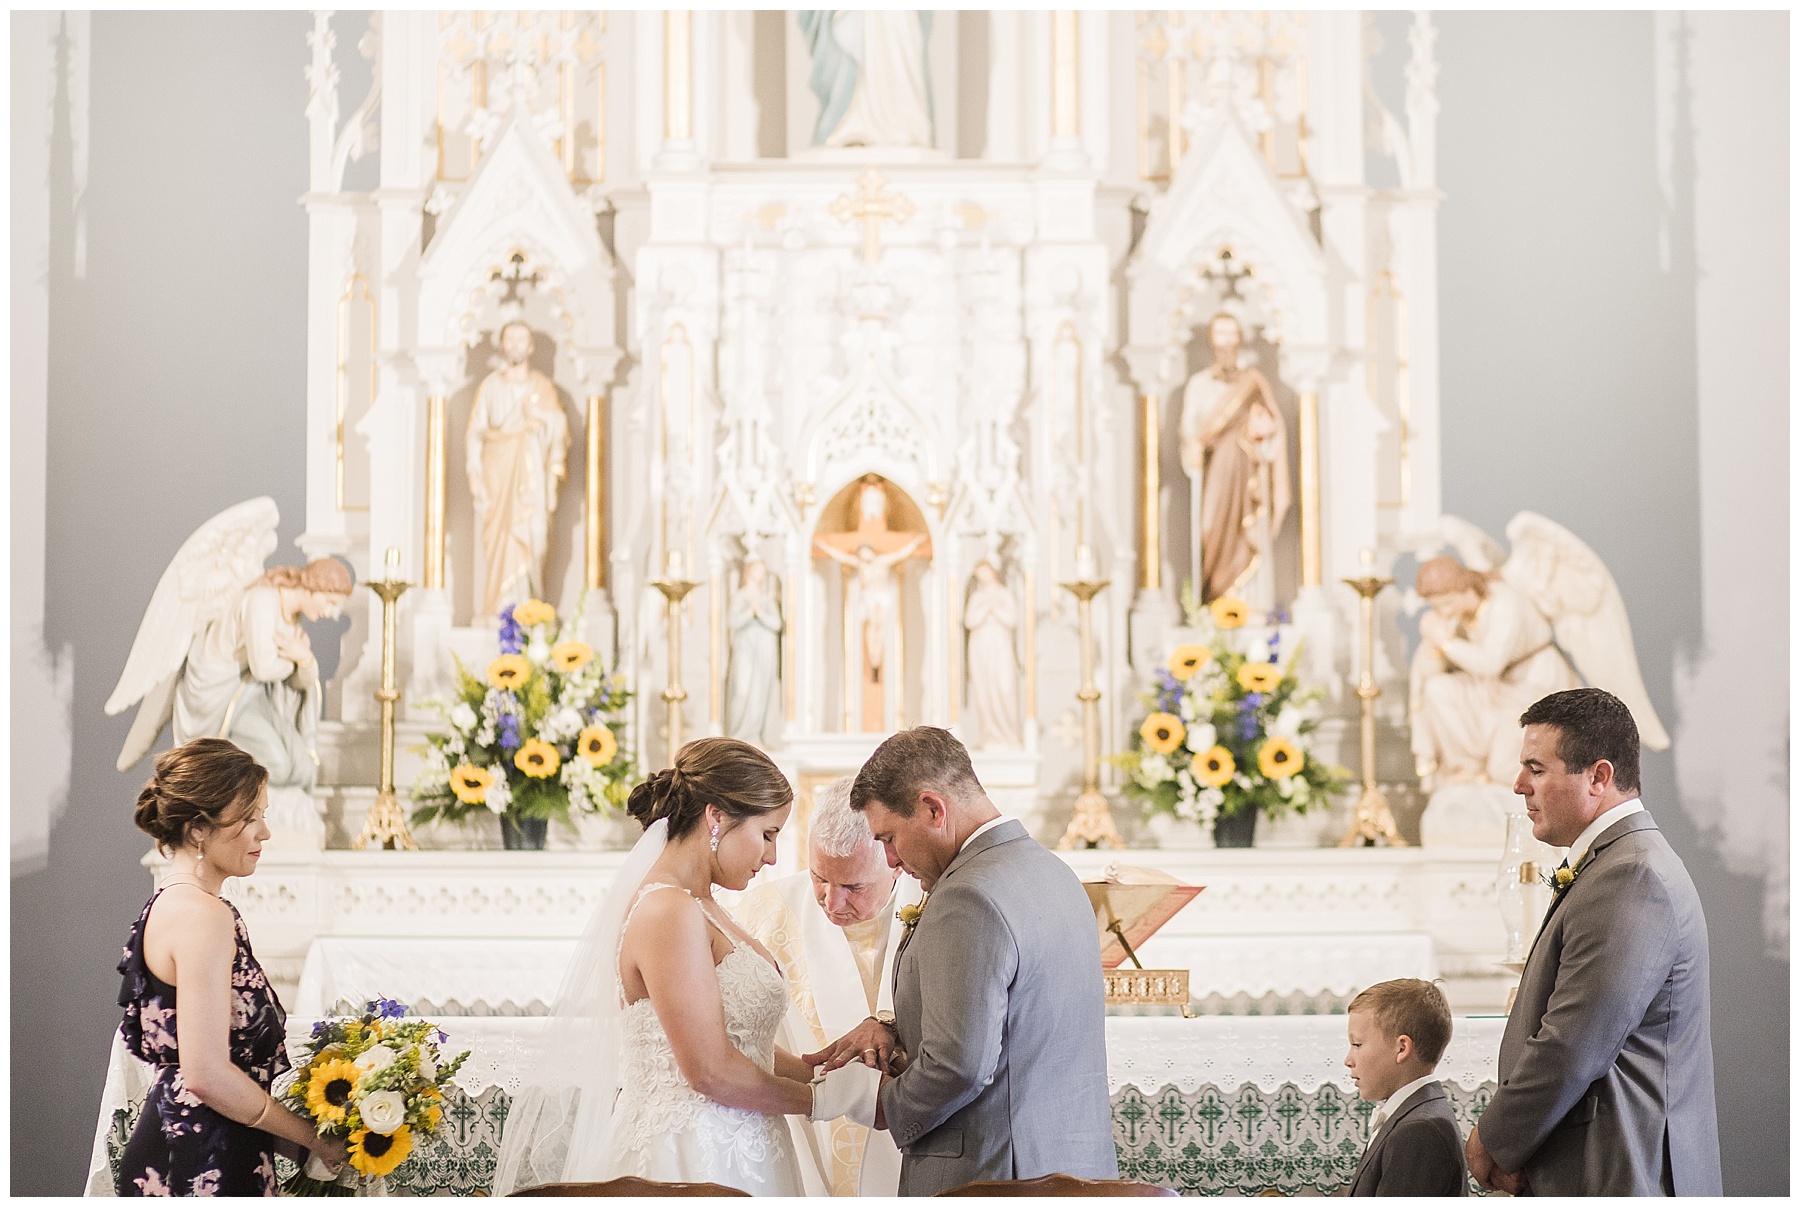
[[661, 1061]]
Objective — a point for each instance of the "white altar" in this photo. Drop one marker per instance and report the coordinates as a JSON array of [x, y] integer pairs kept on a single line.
[[869, 370]]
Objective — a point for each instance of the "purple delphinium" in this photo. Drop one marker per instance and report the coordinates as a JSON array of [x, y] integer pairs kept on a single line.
[[508, 725], [386, 1007], [512, 637], [1168, 692], [1247, 723]]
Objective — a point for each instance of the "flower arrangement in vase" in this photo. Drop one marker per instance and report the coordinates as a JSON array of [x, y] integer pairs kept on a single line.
[[1226, 733], [537, 739]]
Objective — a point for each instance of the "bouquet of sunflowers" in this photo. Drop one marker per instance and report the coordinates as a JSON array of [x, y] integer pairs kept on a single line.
[[1227, 728], [374, 1081], [537, 736]]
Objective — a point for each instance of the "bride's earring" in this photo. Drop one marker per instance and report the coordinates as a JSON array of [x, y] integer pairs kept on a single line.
[[715, 840]]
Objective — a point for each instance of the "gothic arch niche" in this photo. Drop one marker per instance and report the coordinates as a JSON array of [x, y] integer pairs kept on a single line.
[[872, 642]]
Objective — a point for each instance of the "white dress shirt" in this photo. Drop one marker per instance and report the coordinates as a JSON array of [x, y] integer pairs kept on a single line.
[[1393, 1102], [1579, 848], [983, 828]]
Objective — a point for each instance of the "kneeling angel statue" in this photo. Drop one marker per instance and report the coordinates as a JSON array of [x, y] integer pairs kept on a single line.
[[221, 651]]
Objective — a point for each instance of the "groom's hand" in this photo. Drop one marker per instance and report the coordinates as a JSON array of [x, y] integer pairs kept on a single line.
[[872, 1042]]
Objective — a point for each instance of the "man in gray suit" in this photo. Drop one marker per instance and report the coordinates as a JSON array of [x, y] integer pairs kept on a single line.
[[999, 1006], [1606, 1068]]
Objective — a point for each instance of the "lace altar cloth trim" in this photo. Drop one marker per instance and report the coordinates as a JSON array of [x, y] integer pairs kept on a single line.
[[1286, 964], [1308, 1052]]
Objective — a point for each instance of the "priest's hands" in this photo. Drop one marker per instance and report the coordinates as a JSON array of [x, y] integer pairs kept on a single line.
[[852, 1092], [873, 1043], [1487, 1174]]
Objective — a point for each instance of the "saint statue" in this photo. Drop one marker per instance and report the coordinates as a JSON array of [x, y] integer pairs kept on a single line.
[[872, 601], [753, 679], [1234, 449], [872, 75], [991, 616], [517, 458], [221, 652]]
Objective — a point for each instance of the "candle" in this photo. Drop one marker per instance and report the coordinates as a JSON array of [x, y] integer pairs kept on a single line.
[[673, 573], [1086, 569]]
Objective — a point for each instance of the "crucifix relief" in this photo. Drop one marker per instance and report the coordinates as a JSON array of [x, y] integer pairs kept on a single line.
[[872, 205], [871, 555]]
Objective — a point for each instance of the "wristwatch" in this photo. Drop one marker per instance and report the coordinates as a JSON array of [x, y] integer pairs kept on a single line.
[[885, 1018]]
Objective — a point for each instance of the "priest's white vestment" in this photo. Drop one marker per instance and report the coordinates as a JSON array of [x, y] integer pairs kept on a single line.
[[829, 991]]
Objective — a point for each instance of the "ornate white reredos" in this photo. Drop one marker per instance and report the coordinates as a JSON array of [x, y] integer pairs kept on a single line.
[[1223, 196], [870, 428], [519, 200]]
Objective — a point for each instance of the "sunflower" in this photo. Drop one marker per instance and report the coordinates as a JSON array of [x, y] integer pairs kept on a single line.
[[508, 671], [1279, 758], [328, 1090], [1162, 732], [538, 759], [375, 1155], [534, 611], [1215, 768], [1187, 659], [570, 656], [597, 745], [1229, 612], [1259, 676], [433, 1116], [471, 783]]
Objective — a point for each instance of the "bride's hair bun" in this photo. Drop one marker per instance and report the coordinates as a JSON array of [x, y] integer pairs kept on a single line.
[[206, 783], [735, 777]]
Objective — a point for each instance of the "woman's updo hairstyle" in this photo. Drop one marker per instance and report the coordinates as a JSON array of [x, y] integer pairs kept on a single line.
[[207, 782], [736, 777]]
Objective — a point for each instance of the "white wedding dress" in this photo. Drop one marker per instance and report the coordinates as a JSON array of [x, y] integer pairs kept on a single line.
[[604, 1097], [664, 1129]]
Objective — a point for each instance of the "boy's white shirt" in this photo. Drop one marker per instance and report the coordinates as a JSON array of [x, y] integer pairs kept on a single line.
[[1392, 1103]]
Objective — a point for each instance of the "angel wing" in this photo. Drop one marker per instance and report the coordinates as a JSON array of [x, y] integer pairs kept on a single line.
[[1479, 550], [1573, 588], [208, 572]]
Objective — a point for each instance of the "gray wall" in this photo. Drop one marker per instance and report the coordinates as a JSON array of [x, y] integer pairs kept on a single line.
[[176, 387], [176, 384], [1568, 282]]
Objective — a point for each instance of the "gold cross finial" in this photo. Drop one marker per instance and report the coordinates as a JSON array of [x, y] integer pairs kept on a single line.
[[872, 206]]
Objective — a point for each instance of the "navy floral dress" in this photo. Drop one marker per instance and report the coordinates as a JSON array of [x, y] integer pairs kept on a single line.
[[181, 1146]]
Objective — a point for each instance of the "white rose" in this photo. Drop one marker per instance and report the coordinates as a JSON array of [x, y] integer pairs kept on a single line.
[[1202, 737], [1189, 708], [538, 651], [463, 717], [499, 795], [383, 1111], [378, 1057], [427, 1062]]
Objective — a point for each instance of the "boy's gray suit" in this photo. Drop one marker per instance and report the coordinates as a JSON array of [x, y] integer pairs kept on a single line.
[[1418, 1153], [1606, 1067], [1001, 1010]]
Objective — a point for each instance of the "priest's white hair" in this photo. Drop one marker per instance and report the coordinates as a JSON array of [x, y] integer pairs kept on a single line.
[[839, 830]]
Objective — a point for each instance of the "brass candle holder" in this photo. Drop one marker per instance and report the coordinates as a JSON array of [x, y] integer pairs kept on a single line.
[[385, 825], [1092, 825], [674, 589], [1374, 821]]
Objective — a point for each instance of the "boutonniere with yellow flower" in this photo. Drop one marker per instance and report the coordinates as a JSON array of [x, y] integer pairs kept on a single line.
[[909, 915], [1563, 877]]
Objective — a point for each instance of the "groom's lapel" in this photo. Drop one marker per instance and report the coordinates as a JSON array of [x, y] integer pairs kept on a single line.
[[1007, 831]]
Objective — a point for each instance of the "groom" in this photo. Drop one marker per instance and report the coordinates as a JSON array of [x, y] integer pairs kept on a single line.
[[999, 1007]]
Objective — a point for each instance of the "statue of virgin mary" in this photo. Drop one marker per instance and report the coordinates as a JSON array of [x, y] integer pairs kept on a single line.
[[871, 74]]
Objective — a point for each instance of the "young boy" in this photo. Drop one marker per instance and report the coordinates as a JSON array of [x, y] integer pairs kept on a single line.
[[1398, 1032]]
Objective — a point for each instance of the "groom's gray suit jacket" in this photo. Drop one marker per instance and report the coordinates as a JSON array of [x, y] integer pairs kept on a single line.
[[1606, 1067], [1001, 1008]]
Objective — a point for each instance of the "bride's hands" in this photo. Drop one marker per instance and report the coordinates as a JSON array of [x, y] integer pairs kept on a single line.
[[873, 1043]]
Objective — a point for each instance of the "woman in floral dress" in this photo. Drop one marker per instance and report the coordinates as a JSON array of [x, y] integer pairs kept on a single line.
[[209, 1124]]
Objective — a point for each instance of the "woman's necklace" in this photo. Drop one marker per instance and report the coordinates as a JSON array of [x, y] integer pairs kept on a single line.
[[190, 877]]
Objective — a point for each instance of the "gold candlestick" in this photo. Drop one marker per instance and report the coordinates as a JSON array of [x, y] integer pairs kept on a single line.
[[674, 589], [1092, 825], [1374, 820], [385, 825]]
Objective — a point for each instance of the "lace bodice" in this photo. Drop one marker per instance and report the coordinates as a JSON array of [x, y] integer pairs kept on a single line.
[[655, 1100]]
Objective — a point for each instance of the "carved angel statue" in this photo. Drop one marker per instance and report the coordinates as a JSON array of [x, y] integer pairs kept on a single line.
[[753, 681], [221, 652], [1506, 630]]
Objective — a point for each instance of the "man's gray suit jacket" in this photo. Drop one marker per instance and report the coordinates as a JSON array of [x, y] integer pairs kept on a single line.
[[1418, 1153], [1606, 1066], [1001, 1009]]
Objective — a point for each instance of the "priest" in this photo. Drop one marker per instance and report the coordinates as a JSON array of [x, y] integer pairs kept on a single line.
[[835, 930]]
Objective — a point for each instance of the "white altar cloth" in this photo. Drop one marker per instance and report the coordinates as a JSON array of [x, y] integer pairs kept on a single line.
[[1148, 1053], [515, 976]]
